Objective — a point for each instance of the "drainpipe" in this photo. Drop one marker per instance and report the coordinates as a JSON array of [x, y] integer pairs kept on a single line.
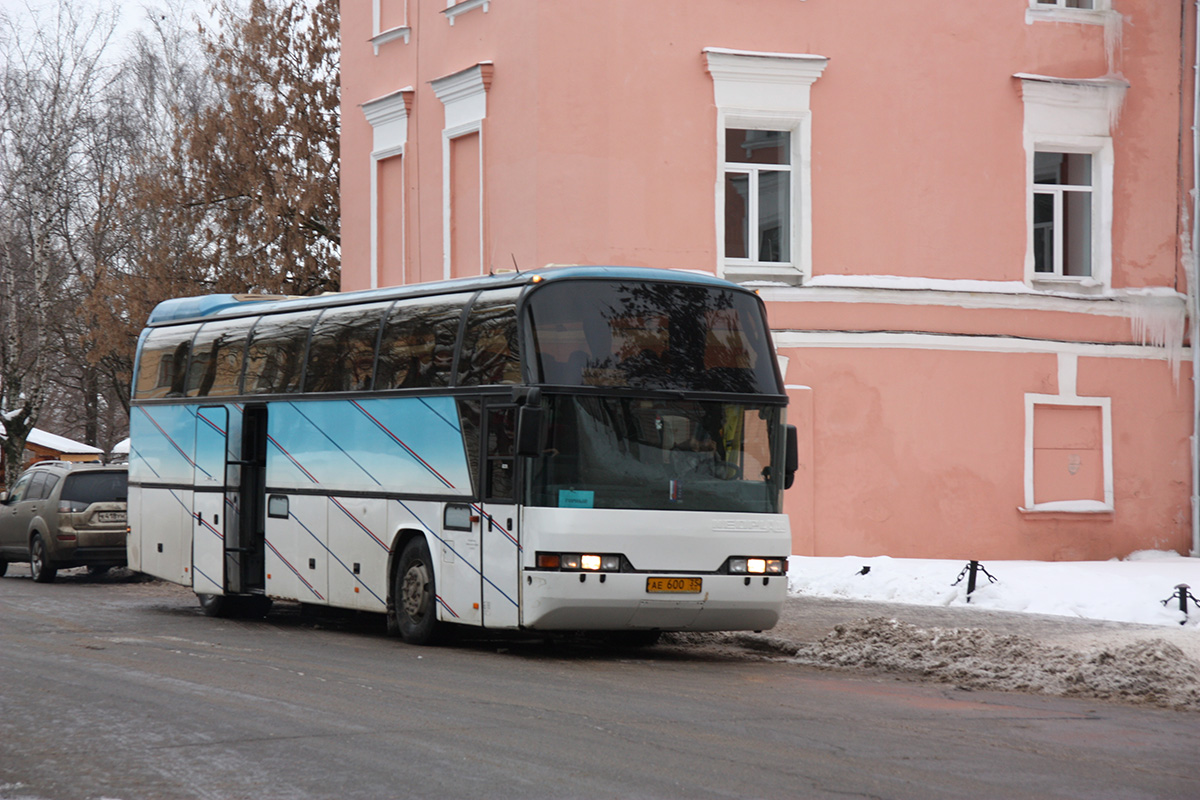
[[1194, 288]]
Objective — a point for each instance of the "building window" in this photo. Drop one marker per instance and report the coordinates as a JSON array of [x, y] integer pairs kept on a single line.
[[388, 118], [758, 196], [1062, 214], [1069, 180], [389, 22], [1088, 12], [464, 100], [1067, 3], [764, 126]]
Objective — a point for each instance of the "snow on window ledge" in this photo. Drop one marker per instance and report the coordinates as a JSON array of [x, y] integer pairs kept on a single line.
[[463, 6], [1069, 507]]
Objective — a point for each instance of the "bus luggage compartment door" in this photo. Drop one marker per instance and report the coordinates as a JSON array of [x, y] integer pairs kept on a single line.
[[209, 516]]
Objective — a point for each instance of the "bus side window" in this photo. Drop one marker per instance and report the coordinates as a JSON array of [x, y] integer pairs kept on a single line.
[[341, 355], [162, 368], [417, 348], [217, 357], [490, 350], [275, 357]]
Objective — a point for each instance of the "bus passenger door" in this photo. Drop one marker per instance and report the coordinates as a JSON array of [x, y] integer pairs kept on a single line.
[[245, 541], [501, 540], [208, 500]]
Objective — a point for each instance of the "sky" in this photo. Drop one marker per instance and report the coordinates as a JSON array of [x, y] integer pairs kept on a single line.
[[131, 16], [1130, 590]]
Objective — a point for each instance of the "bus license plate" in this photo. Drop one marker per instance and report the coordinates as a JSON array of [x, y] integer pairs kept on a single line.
[[674, 585]]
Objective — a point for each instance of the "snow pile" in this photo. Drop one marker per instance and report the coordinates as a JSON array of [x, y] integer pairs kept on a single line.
[[1149, 671], [1132, 590]]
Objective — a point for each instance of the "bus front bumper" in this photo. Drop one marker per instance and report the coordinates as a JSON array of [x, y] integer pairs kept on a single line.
[[621, 601]]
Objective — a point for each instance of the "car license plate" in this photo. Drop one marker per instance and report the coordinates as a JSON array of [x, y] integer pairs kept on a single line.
[[674, 585], [111, 516]]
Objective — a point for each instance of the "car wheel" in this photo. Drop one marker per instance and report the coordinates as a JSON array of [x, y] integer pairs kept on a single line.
[[3, 567], [414, 595], [40, 566]]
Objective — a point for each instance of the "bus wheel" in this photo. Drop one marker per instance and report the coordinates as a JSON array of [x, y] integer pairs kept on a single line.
[[39, 563], [215, 605], [414, 594]]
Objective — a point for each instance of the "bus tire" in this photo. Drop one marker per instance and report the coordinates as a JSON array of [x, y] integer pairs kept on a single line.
[[414, 595], [214, 605], [40, 566]]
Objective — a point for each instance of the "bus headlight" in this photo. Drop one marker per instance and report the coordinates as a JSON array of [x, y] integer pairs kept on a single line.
[[753, 565], [579, 562]]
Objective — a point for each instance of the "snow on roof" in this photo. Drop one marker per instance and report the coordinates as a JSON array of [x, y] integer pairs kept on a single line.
[[53, 441]]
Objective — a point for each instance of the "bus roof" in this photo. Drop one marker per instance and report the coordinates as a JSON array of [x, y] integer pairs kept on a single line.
[[236, 305]]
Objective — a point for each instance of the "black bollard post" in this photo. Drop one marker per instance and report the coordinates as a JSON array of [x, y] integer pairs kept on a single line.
[[973, 568], [1183, 596]]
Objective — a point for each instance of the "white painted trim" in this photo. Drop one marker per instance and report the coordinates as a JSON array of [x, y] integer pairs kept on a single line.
[[464, 99], [874, 340], [767, 91], [1070, 507], [388, 118], [976, 294], [381, 37], [456, 8]]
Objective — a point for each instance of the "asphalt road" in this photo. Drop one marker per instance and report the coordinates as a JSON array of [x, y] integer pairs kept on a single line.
[[119, 688]]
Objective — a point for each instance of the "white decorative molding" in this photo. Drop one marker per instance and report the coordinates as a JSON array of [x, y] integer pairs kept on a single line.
[[380, 36], [388, 118], [767, 91], [404, 32], [455, 9], [464, 97]]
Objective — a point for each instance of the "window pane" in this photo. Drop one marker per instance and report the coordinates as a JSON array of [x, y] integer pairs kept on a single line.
[[96, 487], [490, 351], [275, 357], [737, 214], [417, 350], [341, 355], [758, 147], [1077, 233], [774, 216], [164, 359], [1043, 233], [217, 358], [1073, 169]]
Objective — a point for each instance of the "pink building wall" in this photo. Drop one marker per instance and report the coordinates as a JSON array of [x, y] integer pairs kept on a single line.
[[944, 391]]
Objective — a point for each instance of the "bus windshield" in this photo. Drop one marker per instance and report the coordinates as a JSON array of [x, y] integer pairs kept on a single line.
[[643, 335], [661, 454]]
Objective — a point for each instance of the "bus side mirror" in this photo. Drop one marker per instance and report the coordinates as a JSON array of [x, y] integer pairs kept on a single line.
[[791, 461], [530, 420]]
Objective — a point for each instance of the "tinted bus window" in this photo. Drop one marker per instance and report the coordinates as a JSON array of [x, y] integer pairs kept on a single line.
[[341, 354], [163, 364], [652, 336], [275, 356], [417, 349], [490, 351], [217, 356]]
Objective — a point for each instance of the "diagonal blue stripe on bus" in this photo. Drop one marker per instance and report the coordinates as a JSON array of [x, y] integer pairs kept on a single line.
[[458, 554], [203, 575], [358, 522], [295, 571], [438, 414], [334, 556], [331, 440]]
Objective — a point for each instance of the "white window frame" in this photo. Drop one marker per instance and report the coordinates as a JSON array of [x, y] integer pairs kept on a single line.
[[767, 91], [1072, 116], [381, 37], [1058, 191], [464, 98], [1059, 11], [1068, 369], [388, 118], [754, 173]]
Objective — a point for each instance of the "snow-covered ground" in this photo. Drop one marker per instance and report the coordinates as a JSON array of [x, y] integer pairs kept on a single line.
[[1129, 590], [1109, 654]]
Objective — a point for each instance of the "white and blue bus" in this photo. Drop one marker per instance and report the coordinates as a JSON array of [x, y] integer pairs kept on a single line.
[[576, 449]]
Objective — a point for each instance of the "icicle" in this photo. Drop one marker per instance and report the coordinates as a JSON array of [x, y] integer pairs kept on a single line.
[[1160, 325]]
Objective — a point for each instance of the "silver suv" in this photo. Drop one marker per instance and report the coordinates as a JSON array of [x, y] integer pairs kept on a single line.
[[62, 515]]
